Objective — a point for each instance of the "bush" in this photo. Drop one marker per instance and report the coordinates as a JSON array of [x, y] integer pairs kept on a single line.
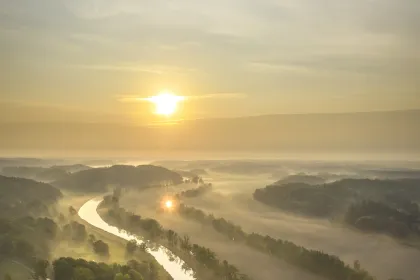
[[101, 248]]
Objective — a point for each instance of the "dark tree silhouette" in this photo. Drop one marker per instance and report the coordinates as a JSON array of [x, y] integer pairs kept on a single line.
[[131, 247], [101, 248], [72, 211]]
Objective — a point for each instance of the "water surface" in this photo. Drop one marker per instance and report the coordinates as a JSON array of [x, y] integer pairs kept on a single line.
[[171, 263]]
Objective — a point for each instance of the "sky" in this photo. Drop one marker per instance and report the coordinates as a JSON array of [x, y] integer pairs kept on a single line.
[[80, 59]]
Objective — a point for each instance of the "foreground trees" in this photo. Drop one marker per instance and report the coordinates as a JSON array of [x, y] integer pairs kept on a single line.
[[40, 270], [26, 238], [72, 269]]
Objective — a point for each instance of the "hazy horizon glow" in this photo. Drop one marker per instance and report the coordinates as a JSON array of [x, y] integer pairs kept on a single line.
[[86, 76]]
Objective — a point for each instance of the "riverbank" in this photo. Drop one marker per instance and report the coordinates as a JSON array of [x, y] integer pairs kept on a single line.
[[201, 272], [174, 266], [116, 244]]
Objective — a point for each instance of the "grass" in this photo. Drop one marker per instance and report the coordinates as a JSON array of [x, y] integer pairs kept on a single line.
[[15, 270]]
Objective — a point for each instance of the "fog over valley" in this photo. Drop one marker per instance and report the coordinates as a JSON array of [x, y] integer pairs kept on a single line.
[[210, 140]]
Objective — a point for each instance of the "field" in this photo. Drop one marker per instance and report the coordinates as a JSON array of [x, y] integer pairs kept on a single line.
[[15, 269]]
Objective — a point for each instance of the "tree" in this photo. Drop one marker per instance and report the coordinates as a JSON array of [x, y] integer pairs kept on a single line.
[[229, 271], [154, 271], [143, 247], [72, 211], [101, 248], [134, 275], [152, 227], [40, 269], [356, 265], [186, 244], [61, 218], [48, 226], [196, 180], [83, 273], [91, 239], [79, 232], [116, 195], [172, 237], [131, 247], [63, 270], [120, 276]]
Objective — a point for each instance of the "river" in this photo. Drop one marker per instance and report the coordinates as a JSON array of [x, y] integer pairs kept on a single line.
[[172, 264]]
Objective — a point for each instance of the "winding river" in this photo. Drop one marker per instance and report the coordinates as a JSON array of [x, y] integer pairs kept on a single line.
[[172, 264]]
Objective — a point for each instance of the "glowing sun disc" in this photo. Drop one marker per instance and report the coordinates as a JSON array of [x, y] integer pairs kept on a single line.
[[166, 103], [168, 204]]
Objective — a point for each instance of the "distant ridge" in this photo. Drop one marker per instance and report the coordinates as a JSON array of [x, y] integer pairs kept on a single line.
[[411, 111], [379, 132], [103, 179]]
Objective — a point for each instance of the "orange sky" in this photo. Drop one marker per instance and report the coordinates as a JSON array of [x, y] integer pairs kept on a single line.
[[75, 59]]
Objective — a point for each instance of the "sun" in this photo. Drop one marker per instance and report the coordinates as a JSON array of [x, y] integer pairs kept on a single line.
[[169, 204], [166, 103]]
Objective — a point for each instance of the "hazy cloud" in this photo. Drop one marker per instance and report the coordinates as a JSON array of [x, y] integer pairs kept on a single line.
[[152, 69], [219, 95], [222, 95], [299, 47], [24, 111]]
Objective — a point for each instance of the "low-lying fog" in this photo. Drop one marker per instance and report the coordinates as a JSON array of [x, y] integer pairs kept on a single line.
[[380, 255], [231, 198], [253, 263]]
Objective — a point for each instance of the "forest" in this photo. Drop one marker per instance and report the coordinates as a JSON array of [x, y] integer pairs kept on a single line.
[[80, 269], [45, 174], [328, 199], [33, 226], [19, 196], [101, 179], [380, 217]]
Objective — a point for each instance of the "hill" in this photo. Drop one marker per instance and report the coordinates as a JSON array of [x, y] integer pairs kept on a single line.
[[326, 200], [48, 174], [19, 196], [301, 178], [383, 206], [99, 179], [24, 190]]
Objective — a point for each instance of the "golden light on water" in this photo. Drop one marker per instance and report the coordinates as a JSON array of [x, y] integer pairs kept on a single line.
[[169, 204], [166, 103]]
